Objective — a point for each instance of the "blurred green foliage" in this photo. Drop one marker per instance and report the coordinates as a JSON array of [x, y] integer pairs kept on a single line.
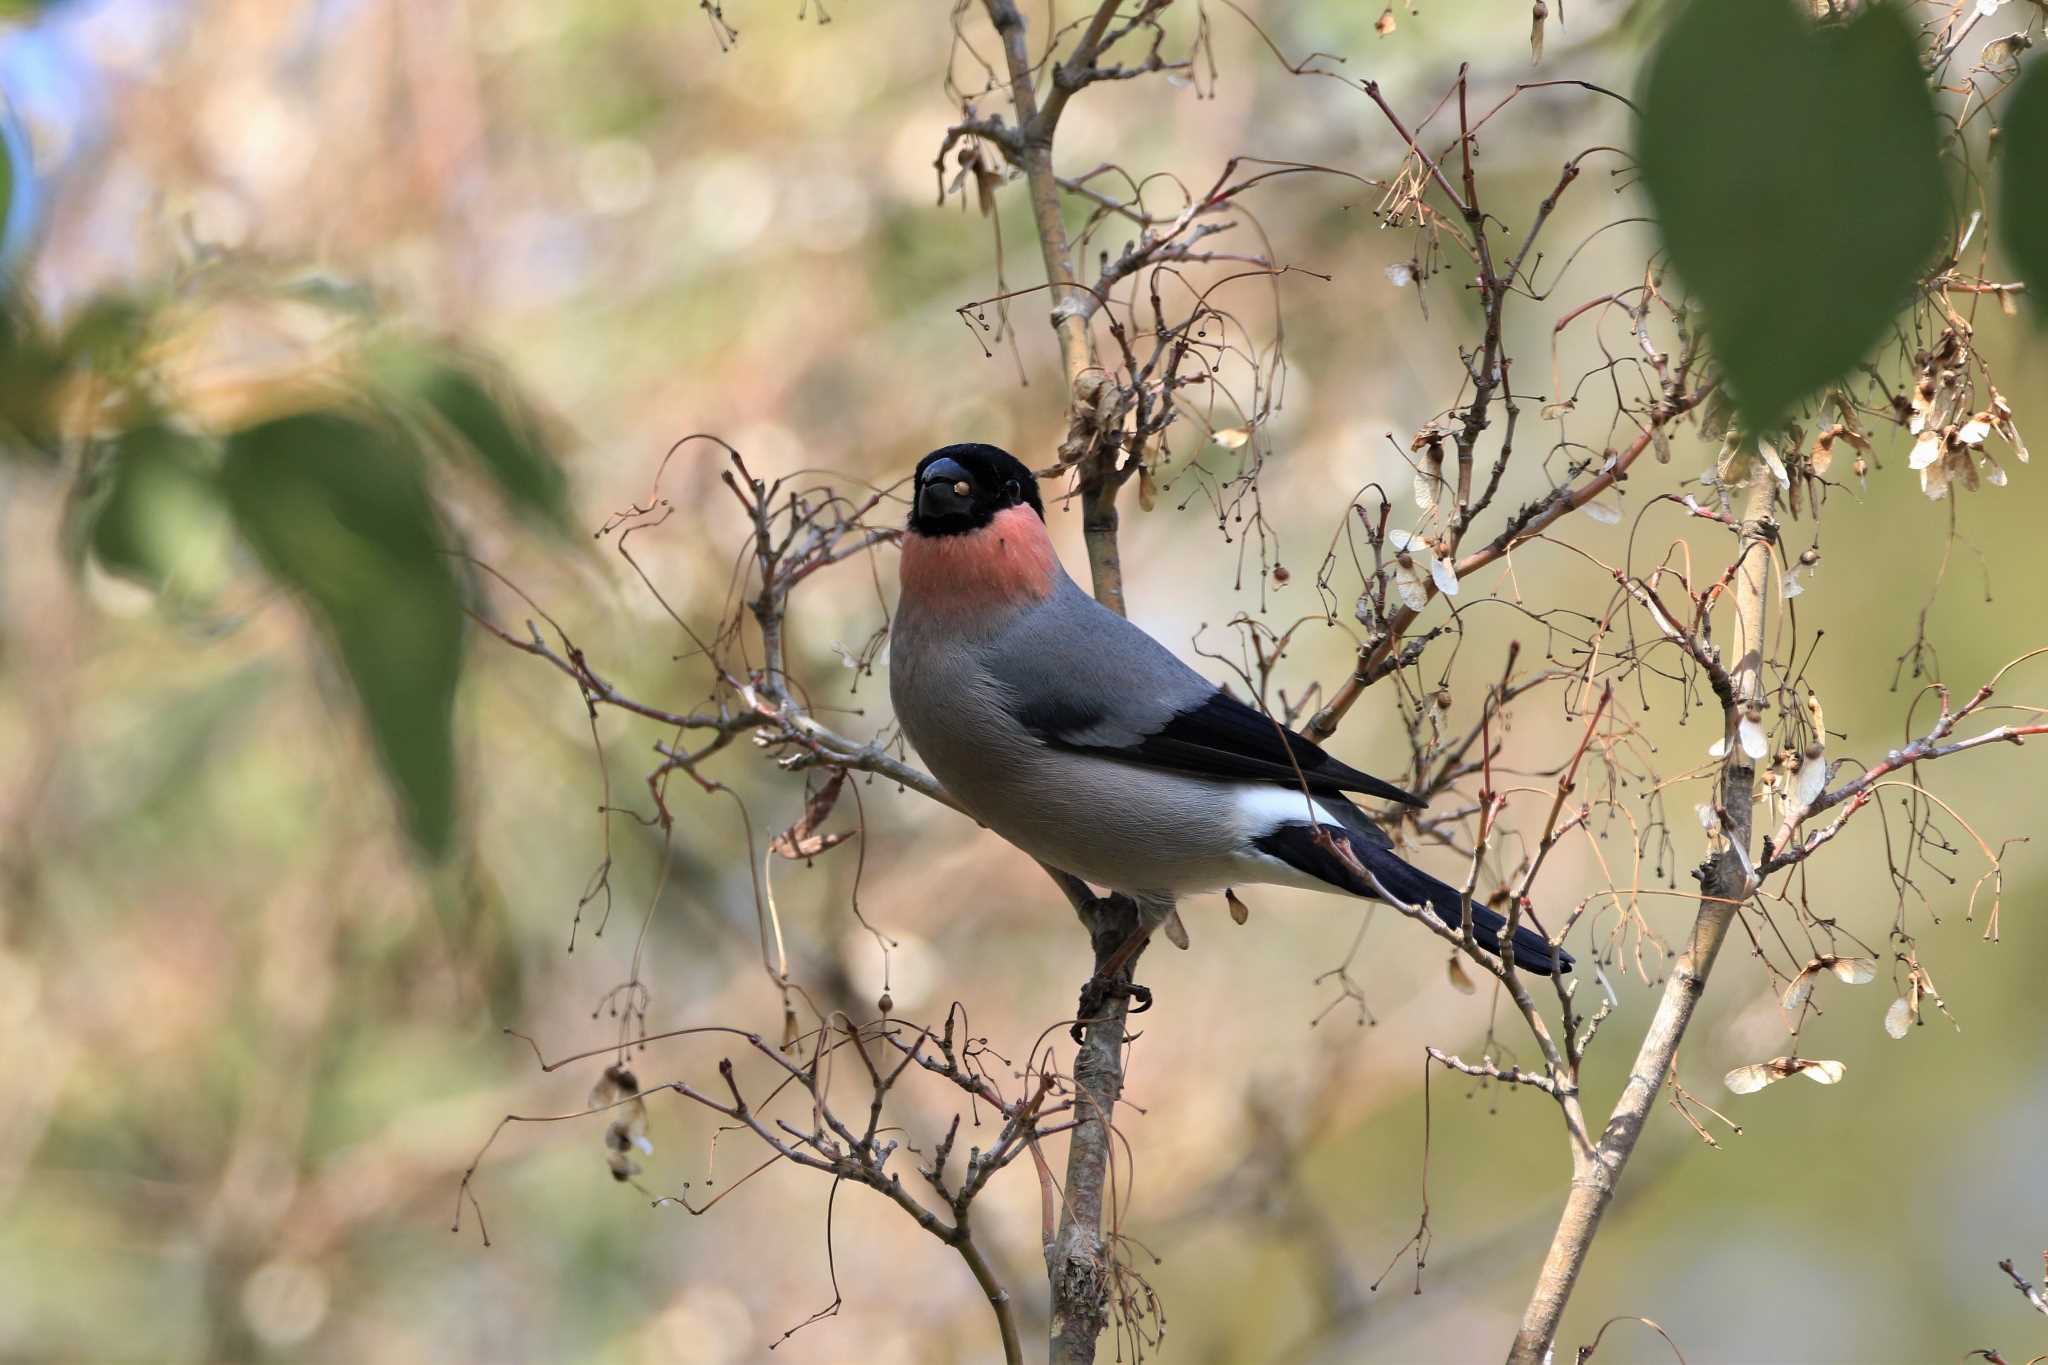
[[1797, 183], [505, 443], [339, 511], [157, 515], [2023, 183], [338, 504]]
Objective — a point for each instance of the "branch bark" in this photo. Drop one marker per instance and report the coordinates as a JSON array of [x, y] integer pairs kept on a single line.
[[1086, 382], [1725, 882], [1076, 1260], [2034, 1295], [998, 1297]]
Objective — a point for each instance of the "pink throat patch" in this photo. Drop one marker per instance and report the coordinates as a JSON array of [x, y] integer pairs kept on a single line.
[[1008, 561]]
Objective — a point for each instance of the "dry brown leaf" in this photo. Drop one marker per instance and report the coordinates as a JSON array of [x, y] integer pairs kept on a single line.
[[802, 839]]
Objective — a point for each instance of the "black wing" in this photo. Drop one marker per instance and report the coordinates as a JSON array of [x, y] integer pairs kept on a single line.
[[1219, 736]]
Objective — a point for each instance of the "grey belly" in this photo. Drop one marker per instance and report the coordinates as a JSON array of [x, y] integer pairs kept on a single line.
[[1117, 825]]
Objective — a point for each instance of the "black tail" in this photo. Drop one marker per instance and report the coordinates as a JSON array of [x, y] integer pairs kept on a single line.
[[1299, 846]]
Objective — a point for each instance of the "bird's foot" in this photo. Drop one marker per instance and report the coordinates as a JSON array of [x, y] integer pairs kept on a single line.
[[1101, 993]]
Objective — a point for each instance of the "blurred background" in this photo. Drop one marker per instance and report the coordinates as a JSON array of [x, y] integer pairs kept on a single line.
[[250, 1043]]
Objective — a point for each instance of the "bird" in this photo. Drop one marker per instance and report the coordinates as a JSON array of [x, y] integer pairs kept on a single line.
[[1079, 738]]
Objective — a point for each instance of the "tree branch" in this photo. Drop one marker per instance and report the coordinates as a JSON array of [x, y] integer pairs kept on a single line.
[[1726, 880], [1380, 656], [1086, 384], [1078, 1260], [2026, 1287], [1076, 1263], [998, 1297]]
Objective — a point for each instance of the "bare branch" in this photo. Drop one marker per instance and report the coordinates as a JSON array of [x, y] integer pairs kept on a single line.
[[1725, 882]]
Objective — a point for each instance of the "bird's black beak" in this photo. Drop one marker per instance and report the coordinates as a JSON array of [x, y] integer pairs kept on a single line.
[[946, 490]]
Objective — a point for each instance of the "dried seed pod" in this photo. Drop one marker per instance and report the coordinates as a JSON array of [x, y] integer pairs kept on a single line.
[[1854, 971], [1749, 731], [1416, 568], [618, 1091], [1813, 777], [1823, 452], [1745, 1080]]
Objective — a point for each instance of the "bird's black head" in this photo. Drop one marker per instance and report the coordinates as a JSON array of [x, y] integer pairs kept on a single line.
[[961, 488]]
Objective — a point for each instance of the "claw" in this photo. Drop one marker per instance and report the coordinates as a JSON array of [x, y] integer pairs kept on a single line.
[[1097, 995]]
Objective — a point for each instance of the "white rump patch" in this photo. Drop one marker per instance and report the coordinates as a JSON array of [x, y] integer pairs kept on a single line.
[[1265, 807]]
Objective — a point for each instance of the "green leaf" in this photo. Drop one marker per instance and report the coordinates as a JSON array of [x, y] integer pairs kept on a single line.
[[1795, 175], [160, 520], [17, 195], [31, 373], [2023, 182], [8, 175], [506, 442], [493, 430], [338, 509], [107, 334]]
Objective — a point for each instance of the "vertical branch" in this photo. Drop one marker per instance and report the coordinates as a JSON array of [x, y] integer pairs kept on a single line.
[[1100, 480], [1077, 1266], [1086, 383], [1077, 1261], [1035, 160], [1725, 881], [1492, 370]]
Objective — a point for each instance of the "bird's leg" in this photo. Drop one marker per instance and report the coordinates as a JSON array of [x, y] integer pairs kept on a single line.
[[1112, 979], [1121, 931]]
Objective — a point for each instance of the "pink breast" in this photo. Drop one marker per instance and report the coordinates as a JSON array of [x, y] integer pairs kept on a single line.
[[1008, 561]]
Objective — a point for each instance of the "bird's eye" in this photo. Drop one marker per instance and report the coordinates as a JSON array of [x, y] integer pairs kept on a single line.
[[1010, 489], [962, 488]]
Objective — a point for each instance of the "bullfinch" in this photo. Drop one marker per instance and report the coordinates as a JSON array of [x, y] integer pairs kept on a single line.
[[1085, 742]]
